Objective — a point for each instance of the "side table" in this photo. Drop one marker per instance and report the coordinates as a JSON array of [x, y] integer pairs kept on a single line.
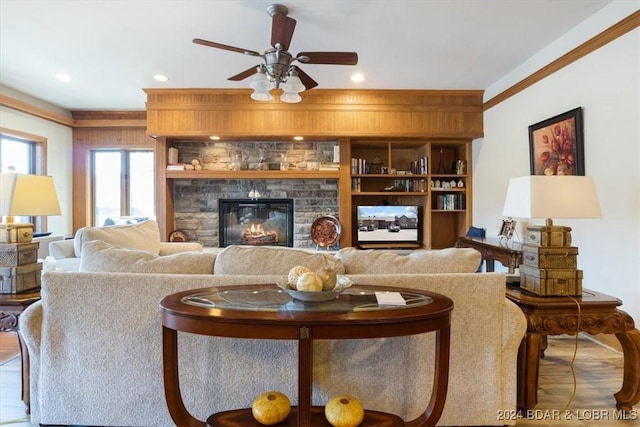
[[493, 249], [11, 306], [558, 315]]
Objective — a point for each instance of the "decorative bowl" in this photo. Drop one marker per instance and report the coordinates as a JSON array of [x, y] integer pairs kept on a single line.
[[342, 283]]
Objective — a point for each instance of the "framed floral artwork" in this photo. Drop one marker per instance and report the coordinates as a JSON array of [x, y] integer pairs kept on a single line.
[[556, 145]]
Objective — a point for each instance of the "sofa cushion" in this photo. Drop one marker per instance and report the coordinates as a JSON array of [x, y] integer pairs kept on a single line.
[[99, 256], [372, 261], [239, 259], [144, 236]]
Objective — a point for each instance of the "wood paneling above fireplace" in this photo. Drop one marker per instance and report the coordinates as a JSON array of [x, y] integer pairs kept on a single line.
[[338, 113]]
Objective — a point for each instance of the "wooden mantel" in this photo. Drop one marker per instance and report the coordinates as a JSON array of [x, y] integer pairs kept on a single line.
[[175, 113]]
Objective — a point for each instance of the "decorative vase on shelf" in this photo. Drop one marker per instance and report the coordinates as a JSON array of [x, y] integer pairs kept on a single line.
[[441, 162]]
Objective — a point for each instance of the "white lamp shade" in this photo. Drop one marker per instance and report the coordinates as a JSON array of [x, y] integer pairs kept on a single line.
[[260, 82], [555, 196], [261, 95], [290, 98], [27, 195], [293, 85]]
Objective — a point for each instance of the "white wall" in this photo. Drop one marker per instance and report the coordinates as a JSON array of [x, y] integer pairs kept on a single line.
[[59, 155], [606, 84]]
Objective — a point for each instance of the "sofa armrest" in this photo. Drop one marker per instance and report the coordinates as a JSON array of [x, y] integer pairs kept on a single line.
[[514, 330], [170, 248], [30, 327], [60, 249]]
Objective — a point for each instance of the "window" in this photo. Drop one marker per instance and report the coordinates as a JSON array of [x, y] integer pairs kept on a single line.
[[123, 184], [23, 155]]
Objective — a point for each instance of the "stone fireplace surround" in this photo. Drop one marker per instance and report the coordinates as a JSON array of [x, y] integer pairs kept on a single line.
[[196, 200]]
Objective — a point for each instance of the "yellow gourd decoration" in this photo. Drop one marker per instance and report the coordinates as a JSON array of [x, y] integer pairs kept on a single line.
[[344, 411], [271, 408]]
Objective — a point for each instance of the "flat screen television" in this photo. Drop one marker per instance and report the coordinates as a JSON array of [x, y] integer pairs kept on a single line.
[[390, 226]]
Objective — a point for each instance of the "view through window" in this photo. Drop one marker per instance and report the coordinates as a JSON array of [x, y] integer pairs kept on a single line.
[[123, 184], [19, 154]]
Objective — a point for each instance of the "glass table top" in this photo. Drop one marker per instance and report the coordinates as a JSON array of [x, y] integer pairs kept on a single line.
[[276, 299]]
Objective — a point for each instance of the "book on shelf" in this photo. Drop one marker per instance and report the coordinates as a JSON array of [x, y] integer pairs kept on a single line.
[[329, 166], [420, 166], [175, 167], [451, 202], [359, 166], [356, 185]]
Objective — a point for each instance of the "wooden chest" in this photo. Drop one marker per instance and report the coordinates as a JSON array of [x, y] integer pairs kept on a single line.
[[15, 254], [16, 233], [549, 256], [547, 282], [554, 235], [14, 280]]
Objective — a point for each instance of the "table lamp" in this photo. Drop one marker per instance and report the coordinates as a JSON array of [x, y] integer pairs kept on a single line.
[[24, 195], [549, 261]]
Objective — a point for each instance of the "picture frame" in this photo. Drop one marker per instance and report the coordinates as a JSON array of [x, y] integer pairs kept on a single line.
[[556, 145], [507, 229]]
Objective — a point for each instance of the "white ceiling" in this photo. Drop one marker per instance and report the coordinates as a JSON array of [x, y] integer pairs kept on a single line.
[[112, 48]]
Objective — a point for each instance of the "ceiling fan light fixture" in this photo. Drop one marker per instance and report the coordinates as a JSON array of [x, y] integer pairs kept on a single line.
[[293, 84], [261, 95], [260, 82], [290, 97]]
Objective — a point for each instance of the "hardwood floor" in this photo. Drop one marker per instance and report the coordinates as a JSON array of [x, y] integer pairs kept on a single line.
[[598, 375]]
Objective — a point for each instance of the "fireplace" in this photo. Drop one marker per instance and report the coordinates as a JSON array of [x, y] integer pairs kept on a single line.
[[260, 222]]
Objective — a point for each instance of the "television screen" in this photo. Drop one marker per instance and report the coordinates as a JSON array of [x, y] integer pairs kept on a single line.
[[382, 224]]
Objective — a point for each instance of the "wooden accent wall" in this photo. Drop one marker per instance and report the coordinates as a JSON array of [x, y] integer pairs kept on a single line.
[[335, 113]]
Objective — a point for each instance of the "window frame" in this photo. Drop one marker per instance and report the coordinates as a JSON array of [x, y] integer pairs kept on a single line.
[[125, 182], [38, 163]]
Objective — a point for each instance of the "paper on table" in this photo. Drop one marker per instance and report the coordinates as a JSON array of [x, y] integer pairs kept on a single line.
[[390, 298]]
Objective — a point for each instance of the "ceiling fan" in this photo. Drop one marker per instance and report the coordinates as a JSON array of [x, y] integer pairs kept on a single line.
[[277, 68]]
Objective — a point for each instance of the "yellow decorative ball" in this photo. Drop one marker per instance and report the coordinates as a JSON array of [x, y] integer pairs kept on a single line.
[[271, 408], [309, 282], [328, 277], [295, 273], [344, 411]]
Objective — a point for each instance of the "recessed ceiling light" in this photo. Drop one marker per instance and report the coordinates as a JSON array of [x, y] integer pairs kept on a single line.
[[214, 137], [298, 138], [357, 77], [161, 78], [63, 77]]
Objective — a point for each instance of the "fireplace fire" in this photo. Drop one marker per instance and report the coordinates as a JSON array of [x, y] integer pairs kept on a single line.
[[256, 235], [263, 222]]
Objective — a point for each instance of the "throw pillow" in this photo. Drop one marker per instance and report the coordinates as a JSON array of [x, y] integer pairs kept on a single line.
[[239, 259], [99, 256], [372, 261], [143, 235]]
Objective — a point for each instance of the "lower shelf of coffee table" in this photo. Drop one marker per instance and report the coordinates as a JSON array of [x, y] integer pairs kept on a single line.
[[244, 418]]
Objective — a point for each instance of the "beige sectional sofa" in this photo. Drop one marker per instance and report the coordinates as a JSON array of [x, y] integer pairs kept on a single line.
[[96, 355]]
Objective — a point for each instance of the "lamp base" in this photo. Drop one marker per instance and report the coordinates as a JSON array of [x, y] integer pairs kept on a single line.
[[16, 232]]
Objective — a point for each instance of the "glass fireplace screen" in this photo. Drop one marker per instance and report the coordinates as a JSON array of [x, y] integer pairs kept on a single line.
[[263, 222]]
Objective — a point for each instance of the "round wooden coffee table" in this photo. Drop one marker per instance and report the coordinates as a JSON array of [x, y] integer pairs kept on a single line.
[[267, 312]]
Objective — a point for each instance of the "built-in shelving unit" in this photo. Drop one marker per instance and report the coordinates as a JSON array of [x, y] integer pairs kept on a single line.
[[432, 174]]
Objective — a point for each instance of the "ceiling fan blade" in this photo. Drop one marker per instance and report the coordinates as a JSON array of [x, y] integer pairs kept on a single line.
[[243, 75], [282, 28], [335, 58], [225, 47], [307, 81]]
